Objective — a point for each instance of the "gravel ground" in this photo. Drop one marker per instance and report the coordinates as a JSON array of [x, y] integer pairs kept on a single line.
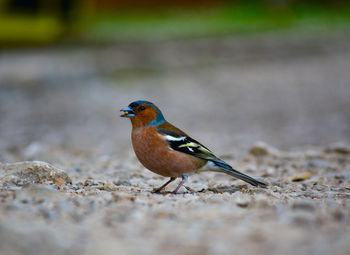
[[61, 106], [107, 208]]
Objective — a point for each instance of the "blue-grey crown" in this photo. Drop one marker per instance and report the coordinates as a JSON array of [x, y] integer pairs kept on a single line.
[[158, 120]]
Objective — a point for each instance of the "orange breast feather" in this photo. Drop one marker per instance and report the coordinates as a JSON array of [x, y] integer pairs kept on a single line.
[[153, 152]]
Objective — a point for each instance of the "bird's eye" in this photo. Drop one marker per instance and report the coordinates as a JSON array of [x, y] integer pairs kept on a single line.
[[142, 108]]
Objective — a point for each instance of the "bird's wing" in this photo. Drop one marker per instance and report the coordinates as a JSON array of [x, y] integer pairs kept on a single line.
[[180, 141]]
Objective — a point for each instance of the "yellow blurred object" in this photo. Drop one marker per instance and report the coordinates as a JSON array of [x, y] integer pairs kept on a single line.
[[24, 22], [17, 29]]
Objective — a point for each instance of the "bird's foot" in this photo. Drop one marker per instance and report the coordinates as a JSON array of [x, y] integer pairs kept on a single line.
[[184, 179], [156, 191]]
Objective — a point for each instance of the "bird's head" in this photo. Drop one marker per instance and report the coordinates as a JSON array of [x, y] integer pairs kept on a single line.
[[143, 113]]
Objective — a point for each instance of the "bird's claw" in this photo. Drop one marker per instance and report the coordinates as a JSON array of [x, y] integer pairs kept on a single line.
[[156, 191]]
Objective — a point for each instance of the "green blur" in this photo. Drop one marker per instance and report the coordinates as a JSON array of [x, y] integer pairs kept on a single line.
[[246, 17]]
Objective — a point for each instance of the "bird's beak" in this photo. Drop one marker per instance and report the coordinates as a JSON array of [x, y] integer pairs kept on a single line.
[[128, 112]]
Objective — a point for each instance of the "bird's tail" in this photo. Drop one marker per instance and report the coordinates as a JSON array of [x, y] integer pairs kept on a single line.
[[227, 169]]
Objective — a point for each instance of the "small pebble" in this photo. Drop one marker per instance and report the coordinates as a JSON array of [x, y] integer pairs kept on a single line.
[[60, 181], [301, 176], [243, 203]]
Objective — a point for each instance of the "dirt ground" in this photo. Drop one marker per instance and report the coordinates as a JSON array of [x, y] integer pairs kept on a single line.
[[60, 105]]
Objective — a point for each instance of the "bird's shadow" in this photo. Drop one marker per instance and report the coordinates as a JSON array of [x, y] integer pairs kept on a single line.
[[218, 190], [221, 189]]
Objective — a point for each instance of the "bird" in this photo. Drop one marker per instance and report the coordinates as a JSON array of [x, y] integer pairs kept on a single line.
[[168, 151]]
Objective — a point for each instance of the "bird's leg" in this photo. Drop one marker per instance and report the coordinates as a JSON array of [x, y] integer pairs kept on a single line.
[[164, 185], [184, 179]]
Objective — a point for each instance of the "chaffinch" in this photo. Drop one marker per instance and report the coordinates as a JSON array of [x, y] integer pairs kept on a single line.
[[166, 150]]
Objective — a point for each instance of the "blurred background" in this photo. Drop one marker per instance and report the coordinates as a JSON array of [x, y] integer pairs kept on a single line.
[[230, 73]]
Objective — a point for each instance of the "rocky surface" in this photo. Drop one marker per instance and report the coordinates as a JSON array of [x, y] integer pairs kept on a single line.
[[112, 210], [31, 172]]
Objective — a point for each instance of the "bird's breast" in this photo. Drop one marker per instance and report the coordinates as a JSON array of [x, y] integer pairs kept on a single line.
[[154, 153]]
